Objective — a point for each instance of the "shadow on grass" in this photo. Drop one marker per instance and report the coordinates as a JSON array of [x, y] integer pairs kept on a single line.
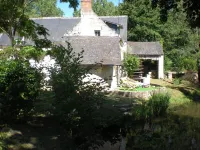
[[46, 133], [42, 133]]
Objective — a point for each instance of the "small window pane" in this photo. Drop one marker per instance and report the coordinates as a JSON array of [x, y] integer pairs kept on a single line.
[[97, 32]]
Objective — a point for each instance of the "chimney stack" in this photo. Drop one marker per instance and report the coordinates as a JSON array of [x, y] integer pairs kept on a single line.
[[86, 5]]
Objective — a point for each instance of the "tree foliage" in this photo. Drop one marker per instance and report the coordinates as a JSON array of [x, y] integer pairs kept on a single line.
[[104, 8], [78, 106], [130, 64], [177, 38], [43, 8], [191, 7], [16, 24], [19, 86]]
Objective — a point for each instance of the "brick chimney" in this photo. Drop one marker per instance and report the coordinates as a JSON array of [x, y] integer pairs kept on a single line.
[[86, 5]]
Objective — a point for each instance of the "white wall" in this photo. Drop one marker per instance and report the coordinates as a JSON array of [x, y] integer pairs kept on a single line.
[[107, 72], [88, 24], [161, 67]]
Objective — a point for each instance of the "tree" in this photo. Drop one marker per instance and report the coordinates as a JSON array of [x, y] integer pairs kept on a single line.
[[16, 24], [101, 8], [143, 24], [178, 40], [43, 8], [104, 8], [191, 7], [78, 105]]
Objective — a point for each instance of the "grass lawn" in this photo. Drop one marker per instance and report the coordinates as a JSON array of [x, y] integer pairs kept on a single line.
[[177, 92], [46, 133], [184, 100], [139, 89]]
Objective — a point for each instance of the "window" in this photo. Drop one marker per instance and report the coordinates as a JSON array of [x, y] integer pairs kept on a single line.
[[97, 32]]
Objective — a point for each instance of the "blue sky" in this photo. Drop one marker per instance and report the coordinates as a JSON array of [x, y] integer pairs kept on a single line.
[[68, 12]]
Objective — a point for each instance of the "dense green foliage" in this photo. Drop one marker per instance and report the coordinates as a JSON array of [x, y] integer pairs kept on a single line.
[[130, 64], [43, 8], [15, 24], [191, 7], [178, 40], [158, 104], [104, 8], [78, 106], [19, 86], [155, 107]]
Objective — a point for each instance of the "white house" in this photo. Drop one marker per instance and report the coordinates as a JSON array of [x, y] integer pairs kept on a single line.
[[103, 39]]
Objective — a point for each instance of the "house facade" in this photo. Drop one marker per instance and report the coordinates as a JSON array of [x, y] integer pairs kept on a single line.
[[103, 39]]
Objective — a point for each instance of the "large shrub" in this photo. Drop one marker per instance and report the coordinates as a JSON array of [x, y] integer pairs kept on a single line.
[[78, 105], [156, 106], [19, 87], [130, 63]]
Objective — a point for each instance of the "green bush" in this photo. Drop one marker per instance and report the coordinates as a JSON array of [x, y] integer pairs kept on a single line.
[[19, 87], [77, 105], [158, 104], [130, 63]]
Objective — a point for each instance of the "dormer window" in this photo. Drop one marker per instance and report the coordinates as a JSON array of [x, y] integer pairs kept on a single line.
[[97, 32]]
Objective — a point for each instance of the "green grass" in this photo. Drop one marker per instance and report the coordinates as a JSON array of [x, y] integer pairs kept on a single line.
[[139, 89], [191, 110], [181, 101]]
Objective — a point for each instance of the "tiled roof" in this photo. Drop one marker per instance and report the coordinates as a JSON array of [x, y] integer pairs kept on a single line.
[[58, 26], [145, 48], [104, 50]]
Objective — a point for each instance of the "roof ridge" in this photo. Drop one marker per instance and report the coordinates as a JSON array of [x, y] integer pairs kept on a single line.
[[143, 42], [93, 36], [55, 18], [113, 16], [34, 18]]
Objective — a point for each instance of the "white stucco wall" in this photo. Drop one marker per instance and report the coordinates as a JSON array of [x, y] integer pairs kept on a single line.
[[123, 48], [107, 72], [88, 24]]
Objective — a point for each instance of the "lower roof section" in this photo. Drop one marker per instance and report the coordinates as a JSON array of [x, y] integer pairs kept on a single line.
[[103, 50], [145, 48]]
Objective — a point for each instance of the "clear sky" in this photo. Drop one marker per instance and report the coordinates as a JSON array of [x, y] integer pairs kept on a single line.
[[68, 12]]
